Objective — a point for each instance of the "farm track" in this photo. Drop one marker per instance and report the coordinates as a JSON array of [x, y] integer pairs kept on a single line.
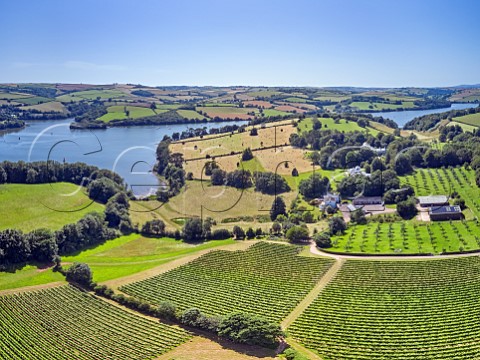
[[312, 295]]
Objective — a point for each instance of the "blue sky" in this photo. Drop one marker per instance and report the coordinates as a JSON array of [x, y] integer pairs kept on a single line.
[[288, 43]]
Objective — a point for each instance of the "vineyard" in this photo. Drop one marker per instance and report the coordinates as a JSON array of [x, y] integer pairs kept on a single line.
[[396, 310], [444, 182], [65, 323], [267, 279], [409, 237]]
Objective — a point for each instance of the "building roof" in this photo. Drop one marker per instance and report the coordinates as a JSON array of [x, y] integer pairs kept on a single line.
[[377, 199], [433, 199], [450, 209]]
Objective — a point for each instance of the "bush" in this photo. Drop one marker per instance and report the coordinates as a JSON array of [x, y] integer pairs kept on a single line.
[[407, 209], [247, 154], [221, 234], [337, 225], [238, 232], [297, 234], [155, 227], [167, 310], [251, 330], [322, 240], [79, 273]]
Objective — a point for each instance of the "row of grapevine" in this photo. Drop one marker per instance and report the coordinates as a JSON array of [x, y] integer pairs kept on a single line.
[[267, 279], [66, 323], [410, 238], [412, 310]]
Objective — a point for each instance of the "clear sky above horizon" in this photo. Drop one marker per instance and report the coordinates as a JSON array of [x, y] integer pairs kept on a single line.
[[371, 43]]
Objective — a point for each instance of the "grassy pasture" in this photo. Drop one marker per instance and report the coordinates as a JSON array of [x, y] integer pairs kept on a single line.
[[227, 112], [329, 123], [13, 96], [47, 106], [191, 115], [35, 100], [131, 254], [364, 105], [274, 112], [472, 119], [263, 93], [465, 127], [117, 113], [266, 279], [29, 207], [92, 95], [296, 100], [237, 142], [218, 202], [396, 310]]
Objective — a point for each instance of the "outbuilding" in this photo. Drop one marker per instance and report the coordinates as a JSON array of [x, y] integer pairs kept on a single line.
[[368, 200], [433, 200], [450, 212]]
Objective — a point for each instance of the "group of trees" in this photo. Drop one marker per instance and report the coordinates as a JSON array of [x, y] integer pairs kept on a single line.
[[42, 172], [265, 182], [171, 167], [44, 246], [333, 149]]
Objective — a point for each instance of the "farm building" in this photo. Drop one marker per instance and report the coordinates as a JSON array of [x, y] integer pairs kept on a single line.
[[433, 200], [368, 200], [446, 213], [331, 200]]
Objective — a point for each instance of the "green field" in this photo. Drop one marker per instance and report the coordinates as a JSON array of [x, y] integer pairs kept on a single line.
[[116, 258], [263, 93], [296, 100], [374, 106], [28, 207], [29, 275], [267, 279], [35, 100], [92, 95], [191, 115], [393, 310], [118, 113], [273, 112], [329, 123], [445, 182], [472, 119], [65, 323], [13, 96], [409, 238], [134, 253]]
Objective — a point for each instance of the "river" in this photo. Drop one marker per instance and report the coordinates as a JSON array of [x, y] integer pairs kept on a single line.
[[402, 117], [129, 151]]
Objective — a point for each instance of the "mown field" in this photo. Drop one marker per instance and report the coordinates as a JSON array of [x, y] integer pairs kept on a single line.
[[267, 279], [28, 207], [396, 310], [472, 119], [341, 125], [378, 106], [66, 323], [118, 113], [223, 203]]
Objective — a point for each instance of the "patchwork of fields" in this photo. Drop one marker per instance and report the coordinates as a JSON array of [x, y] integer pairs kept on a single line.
[[66, 323], [396, 310], [267, 279]]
